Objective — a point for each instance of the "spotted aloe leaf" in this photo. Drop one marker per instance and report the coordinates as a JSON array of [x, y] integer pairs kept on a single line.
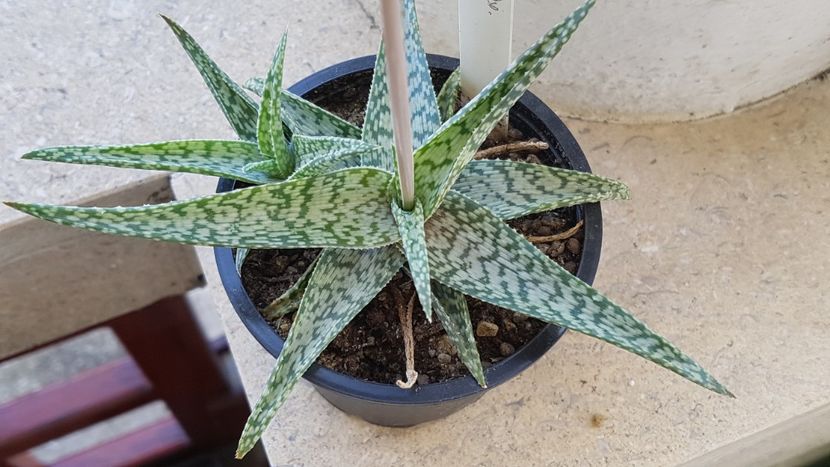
[[207, 157], [308, 148], [411, 228], [343, 282], [240, 110], [439, 162], [269, 125], [513, 189], [349, 208], [377, 123], [290, 300], [423, 107], [448, 96], [474, 252], [451, 308], [305, 118], [239, 259], [337, 160]]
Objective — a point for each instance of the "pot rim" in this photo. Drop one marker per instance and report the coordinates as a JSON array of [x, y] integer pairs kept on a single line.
[[529, 106]]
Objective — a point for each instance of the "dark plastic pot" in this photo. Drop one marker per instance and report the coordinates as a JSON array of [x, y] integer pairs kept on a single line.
[[386, 404]]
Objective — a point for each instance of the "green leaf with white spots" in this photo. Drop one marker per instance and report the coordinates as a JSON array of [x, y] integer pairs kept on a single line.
[[513, 189], [269, 126], [290, 300], [439, 162], [474, 252], [305, 118], [451, 308], [448, 96], [338, 160], [377, 124], [239, 259], [343, 282], [308, 148], [208, 157], [349, 209], [240, 110], [423, 106], [411, 228]]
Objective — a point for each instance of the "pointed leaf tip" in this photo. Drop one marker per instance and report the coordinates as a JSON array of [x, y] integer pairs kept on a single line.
[[411, 228]]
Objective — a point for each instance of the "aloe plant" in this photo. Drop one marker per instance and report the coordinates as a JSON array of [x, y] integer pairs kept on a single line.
[[321, 182]]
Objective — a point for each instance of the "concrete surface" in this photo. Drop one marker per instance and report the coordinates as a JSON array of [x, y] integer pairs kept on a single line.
[[723, 247], [635, 60]]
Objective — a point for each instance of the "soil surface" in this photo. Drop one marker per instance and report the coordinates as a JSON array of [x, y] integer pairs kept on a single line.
[[371, 346]]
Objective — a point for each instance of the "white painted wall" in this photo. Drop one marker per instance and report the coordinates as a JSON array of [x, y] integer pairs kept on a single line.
[[651, 60]]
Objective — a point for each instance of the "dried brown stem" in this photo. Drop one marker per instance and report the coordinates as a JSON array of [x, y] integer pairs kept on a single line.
[[559, 236], [520, 146], [405, 315]]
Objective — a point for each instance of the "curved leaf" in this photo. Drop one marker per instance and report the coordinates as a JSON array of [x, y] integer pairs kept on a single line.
[[208, 157], [423, 106], [239, 109], [439, 162], [349, 208], [513, 189], [474, 252], [269, 126], [305, 118], [343, 282], [290, 300], [308, 148], [377, 123], [451, 308], [411, 228], [448, 96]]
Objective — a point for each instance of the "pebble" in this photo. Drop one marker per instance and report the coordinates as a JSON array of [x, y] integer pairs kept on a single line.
[[519, 318], [506, 349], [570, 266], [556, 248], [544, 230], [543, 247], [515, 134], [370, 340], [533, 159], [431, 352], [444, 345], [423, 379], [508, 325], [284, 326], [486, 329], [444, 358], [573, 246]]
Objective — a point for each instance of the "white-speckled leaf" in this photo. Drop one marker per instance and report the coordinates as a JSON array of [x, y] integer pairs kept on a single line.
[[475, 253], [513, 189], [305, 118], [338, 160], [347, 209], [289, 301], [239, 259], [377, 124], [439, 162], [343, 282], [240, 110], [451, 308], [269, 126], [448, 96], [208, 157], [423, 106], [308, 148], [411, 228]]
